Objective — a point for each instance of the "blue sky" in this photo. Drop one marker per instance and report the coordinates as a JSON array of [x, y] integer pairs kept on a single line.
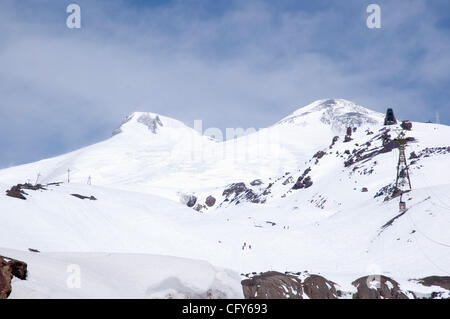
[[229, 63]]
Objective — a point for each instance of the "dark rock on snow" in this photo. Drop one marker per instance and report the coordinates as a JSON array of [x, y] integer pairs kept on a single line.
[[8, 268], [256, 182], [210, 201], [369, 287], [84, 197], [17, 190], [235, 188], [443, 282], [406, 125], [319, 154], [413, 155], [5, 279], [276, 285], [191, 200]]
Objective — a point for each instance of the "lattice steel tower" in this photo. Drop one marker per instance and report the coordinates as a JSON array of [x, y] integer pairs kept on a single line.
[[403, 182]]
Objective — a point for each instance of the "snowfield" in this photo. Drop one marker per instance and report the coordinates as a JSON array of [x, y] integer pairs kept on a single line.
[[339, 226], [106, 275]]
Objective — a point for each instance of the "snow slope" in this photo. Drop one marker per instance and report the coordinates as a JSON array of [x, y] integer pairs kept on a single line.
[[332, 227], [162, 156], [105, 275]]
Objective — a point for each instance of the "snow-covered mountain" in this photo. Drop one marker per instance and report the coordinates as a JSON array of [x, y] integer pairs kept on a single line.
[[311, 192], [159, 155]]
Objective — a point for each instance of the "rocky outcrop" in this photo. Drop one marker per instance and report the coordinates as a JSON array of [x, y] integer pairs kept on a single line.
[[437, 281], [273, 285], [366, 153], [17, 191], [188, 200], [238, 192], [152, 123], [5, 279], [84, 197], [276, 285], [288, 180], [256, 182], [377, 287], [302, 285], [334, 140], [406, 125], [443, 282], [210, 201], [303, 182], [319, 154], [234, 189], [348, 137], [317, 287], [19, 269], [8, 268], [413, 155]]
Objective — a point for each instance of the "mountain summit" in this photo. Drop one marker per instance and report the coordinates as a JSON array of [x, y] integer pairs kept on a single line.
[[138, 121], [157, 154], [336, 113]]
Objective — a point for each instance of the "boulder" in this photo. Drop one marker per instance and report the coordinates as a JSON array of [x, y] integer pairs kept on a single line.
[[276, 285], [272, 285], [16, 192], [256, 182], [191, 200], [406, 125], [5, 279], [443, 282], [84, 197], [199, 207], [318, 287], [334, 140], [210, 201], [18, 269], [377, 287]]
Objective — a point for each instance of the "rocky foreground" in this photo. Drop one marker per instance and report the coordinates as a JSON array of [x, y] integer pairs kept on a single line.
[[302, 285], [289, 285]]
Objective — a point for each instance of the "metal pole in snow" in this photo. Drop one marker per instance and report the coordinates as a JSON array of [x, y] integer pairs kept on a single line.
[[37, 178]]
